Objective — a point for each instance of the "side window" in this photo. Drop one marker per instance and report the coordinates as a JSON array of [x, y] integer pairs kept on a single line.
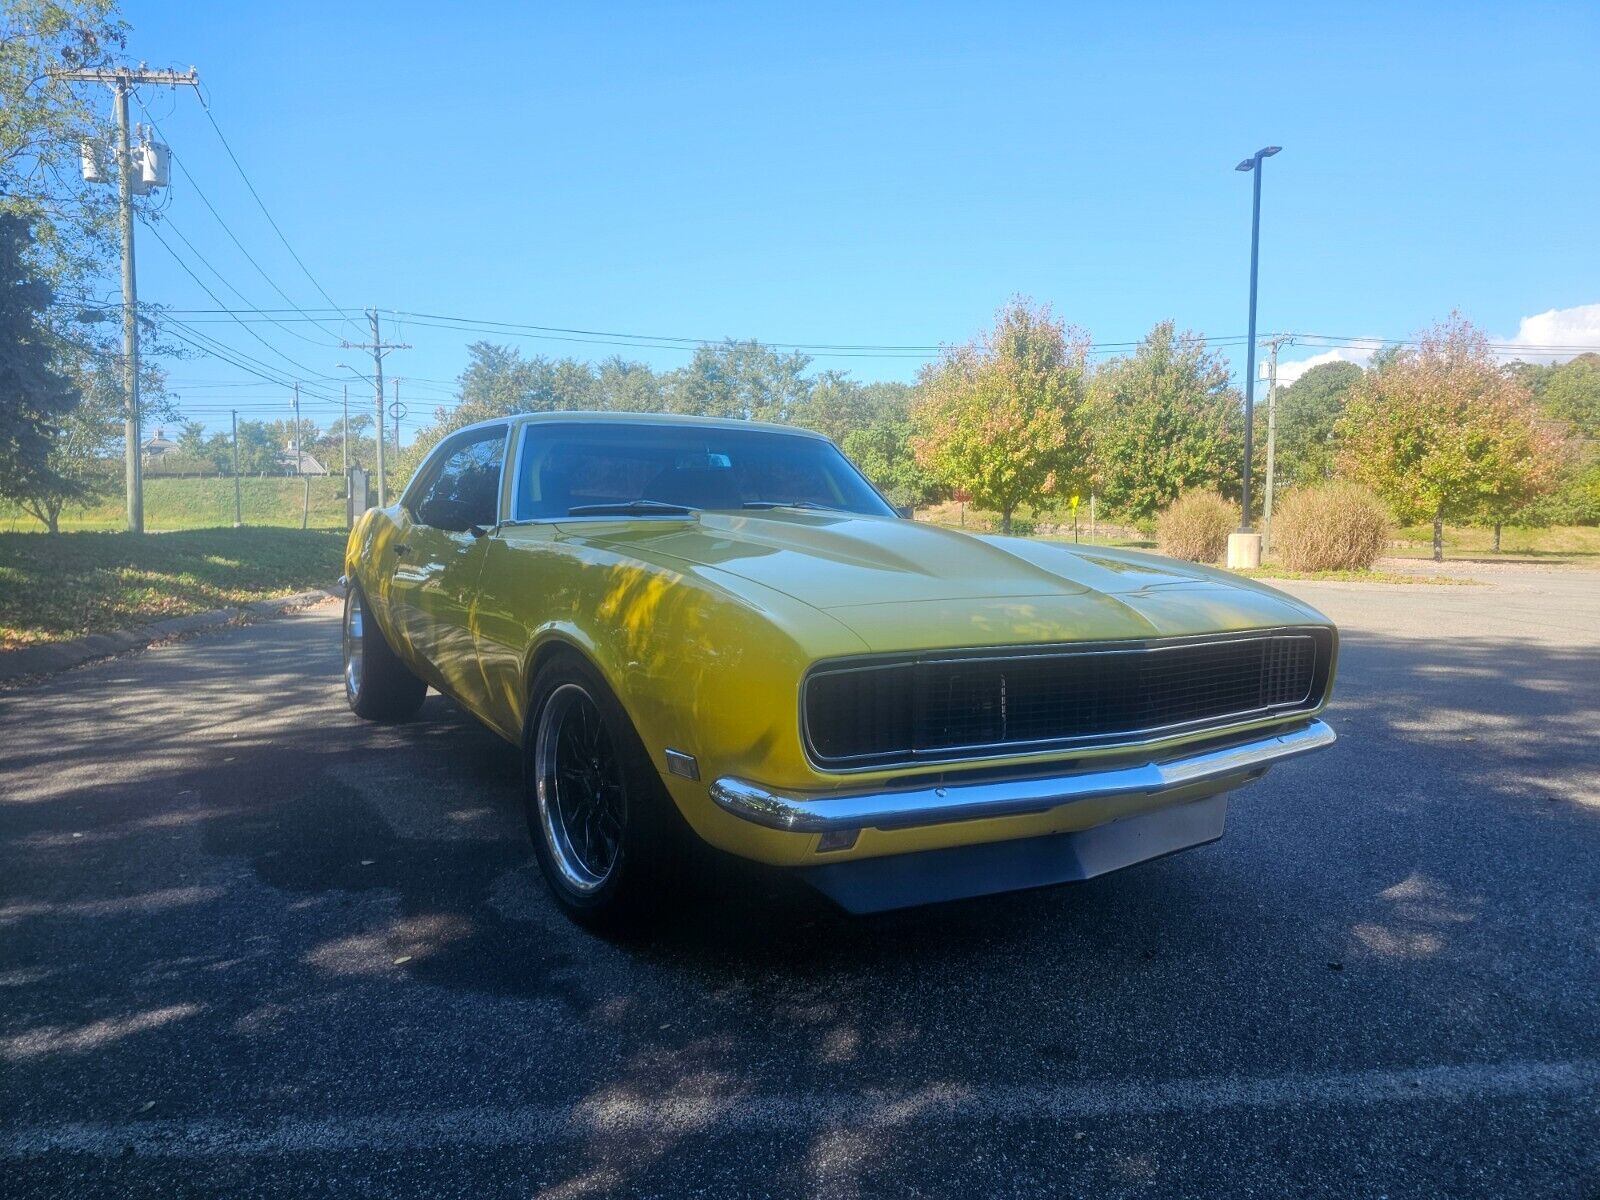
[[465, 489]]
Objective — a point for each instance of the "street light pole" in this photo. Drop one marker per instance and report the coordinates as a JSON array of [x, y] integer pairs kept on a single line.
[[1244, 548]]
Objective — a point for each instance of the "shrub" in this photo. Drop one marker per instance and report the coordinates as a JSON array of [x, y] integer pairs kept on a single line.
[[1196, 526], [1337, 526]]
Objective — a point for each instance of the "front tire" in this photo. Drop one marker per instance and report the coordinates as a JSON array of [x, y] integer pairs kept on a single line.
[[600, 819], [377, 685]]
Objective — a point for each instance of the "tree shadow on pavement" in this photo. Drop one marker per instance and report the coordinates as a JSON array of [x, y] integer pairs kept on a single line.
[[233, 897]]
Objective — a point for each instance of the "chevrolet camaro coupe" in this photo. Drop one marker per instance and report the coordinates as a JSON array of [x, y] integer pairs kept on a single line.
[[698, 628]]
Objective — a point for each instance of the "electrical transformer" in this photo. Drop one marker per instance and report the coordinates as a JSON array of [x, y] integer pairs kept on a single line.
[[154, 164], [93, 167]]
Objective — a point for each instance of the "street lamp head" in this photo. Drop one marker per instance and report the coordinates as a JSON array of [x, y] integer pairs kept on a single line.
[[1268, 152], [1248, 164]]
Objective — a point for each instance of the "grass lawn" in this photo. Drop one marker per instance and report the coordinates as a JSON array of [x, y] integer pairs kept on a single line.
[[1560, 541], [1570, 543], [54, 588], [204, 504]]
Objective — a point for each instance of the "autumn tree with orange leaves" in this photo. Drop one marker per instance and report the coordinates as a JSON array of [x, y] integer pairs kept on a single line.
[[1003, 416], [1443, 434]]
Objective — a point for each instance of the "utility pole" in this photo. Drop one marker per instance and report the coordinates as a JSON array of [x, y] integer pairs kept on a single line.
[[238, 518], [1276, 343], [397, 411], [347, 433], [123, 80], [378, 348], [297, 454]]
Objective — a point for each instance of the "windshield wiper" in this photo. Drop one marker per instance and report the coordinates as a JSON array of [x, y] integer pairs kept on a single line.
[[631, 508], [791, 504]]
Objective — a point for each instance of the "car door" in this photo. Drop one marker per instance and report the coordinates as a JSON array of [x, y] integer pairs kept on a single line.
[[451, 506]]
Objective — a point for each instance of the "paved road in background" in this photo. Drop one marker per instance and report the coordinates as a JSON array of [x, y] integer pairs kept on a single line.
[[250, 945]]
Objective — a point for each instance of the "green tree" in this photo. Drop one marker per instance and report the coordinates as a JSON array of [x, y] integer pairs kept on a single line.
[[1441, 433], [746, 380], [1568, 398], [624, 386], [1308, 410], [1570, 392], [1003, 416], [42, 123], [838, 406], [328, 446], [87, 446], [1165, 422], [833, 405], [218, 453], [192, 439], [35, 396], [883, 452], [258, 449]]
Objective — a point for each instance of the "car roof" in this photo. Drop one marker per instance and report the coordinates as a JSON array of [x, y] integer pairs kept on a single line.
[[679, 420]]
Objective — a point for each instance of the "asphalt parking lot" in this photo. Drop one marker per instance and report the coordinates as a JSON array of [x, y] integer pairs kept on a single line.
[[250, 945]]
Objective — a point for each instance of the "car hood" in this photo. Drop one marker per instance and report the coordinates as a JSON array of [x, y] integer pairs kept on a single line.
[[903, 585]]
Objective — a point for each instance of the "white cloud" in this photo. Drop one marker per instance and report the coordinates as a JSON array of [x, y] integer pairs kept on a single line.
[[1574, 329], [1288, 372]]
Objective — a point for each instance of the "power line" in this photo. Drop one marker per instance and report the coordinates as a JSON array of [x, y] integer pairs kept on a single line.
[[222, 352], [222, 279], [226, 228], [206, 108], [647, 341], [211, 347], [242, 324]]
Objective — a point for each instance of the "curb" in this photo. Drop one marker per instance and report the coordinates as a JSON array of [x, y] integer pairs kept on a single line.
[[61, 656]]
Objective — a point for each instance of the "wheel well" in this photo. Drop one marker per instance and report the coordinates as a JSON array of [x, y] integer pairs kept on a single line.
[[553, 648]]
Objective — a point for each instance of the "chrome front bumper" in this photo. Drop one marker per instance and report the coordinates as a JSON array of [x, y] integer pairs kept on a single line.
[[796, 812]]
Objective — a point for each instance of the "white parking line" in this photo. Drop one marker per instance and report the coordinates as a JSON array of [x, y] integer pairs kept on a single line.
[[724, 1109]]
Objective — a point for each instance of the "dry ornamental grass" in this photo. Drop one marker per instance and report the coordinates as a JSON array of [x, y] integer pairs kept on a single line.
[[1330, 527], [1195, 526]]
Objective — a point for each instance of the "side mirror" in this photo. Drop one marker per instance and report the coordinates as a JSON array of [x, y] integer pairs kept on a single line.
[[477, 531], [443, 513]]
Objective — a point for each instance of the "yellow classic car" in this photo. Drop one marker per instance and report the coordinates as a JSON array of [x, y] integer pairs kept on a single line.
[[718, 629]]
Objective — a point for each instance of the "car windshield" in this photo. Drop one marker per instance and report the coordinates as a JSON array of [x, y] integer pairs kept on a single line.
[[596, 468]]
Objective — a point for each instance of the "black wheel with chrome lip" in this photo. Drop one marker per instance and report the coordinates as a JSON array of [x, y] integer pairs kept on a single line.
[[582, 808], [602, 824], [377, 685]]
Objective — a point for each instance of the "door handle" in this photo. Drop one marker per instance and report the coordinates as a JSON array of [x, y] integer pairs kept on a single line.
[[402, 548]]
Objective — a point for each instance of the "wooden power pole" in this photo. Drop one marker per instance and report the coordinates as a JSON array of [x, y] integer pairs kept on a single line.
[[378, 348], [1277, 344], [123, 80]]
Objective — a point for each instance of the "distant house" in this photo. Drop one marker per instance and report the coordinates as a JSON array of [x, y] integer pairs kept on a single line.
[[160, 444], [305, 466]]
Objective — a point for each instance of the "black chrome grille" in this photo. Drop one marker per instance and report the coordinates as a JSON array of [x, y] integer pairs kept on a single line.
[[877, 712]]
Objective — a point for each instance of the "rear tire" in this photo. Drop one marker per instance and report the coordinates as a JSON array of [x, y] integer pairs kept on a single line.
[[604, 830], [377, 685]]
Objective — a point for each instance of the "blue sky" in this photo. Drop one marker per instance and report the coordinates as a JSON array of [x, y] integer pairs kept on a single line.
[[883, 174]]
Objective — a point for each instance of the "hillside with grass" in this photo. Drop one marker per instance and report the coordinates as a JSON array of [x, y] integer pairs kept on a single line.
[[204, 504]]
